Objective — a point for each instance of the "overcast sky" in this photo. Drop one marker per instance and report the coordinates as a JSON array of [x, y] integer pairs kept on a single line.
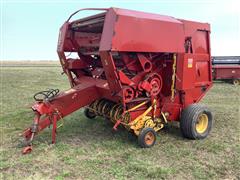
[[29, 29]]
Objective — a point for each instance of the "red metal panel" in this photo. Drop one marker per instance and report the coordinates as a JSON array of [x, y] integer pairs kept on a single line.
[[209, 56], [200, 42], [108, 31], [185, 71], [226, 72], [110, 71], [190, 27], [193, 70], [203, 69], [199, 34], [145, 32]]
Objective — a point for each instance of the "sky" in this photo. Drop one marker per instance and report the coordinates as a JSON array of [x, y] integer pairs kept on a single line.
[[29, 29]]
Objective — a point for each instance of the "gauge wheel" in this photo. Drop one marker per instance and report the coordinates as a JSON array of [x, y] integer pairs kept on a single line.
[[236, 82], [196, 122], [147, 137], [89, 114]]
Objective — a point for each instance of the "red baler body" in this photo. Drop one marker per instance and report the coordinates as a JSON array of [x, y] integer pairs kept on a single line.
[[126, 58]]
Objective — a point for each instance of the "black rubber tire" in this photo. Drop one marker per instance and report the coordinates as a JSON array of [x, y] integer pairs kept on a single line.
[[89, 114], [189, 118], [143, 133]]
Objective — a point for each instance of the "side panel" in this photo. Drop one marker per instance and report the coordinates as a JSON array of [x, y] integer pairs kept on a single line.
[[192, 71], [186, 67], [203, 70], [226, 72], [193, 76], [147, 35], [108, 31], [200, 43], [110, 72]]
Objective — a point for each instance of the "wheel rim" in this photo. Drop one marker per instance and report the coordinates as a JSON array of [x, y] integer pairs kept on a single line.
[[202, 123], [236, 82], [149, 138]]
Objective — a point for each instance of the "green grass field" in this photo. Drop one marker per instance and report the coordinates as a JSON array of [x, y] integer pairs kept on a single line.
[[88, 149]]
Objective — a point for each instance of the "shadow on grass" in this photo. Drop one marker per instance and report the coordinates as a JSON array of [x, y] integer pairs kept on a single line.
[[172, 130], [226, 81], [77, 130]]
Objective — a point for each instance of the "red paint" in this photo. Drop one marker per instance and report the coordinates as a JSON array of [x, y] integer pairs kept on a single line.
[[127, 57], [221, 72]]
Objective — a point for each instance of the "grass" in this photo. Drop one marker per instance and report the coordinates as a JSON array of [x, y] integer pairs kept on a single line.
[[88, 149]]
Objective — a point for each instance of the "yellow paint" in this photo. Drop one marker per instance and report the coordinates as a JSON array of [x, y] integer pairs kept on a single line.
[[146, 121], [202, 123], [137, 106], [164, 117], [173, 76], [149, 122]]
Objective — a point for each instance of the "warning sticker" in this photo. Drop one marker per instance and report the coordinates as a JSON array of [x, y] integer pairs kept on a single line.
[[190, 62]]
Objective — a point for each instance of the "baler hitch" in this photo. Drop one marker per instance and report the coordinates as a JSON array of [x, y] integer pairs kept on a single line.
[[36, 127], [42, 98], [52, 106], [28, 139]]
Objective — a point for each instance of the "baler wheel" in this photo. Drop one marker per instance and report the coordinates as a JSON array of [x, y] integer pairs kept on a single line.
[[196, 122], [236, 82], [89, 114], [147, 137]]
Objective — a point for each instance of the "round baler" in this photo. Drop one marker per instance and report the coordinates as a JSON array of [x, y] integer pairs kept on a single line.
[[138, 70]]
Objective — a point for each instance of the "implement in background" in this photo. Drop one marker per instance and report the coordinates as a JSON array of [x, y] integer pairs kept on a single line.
[[226, 68]]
